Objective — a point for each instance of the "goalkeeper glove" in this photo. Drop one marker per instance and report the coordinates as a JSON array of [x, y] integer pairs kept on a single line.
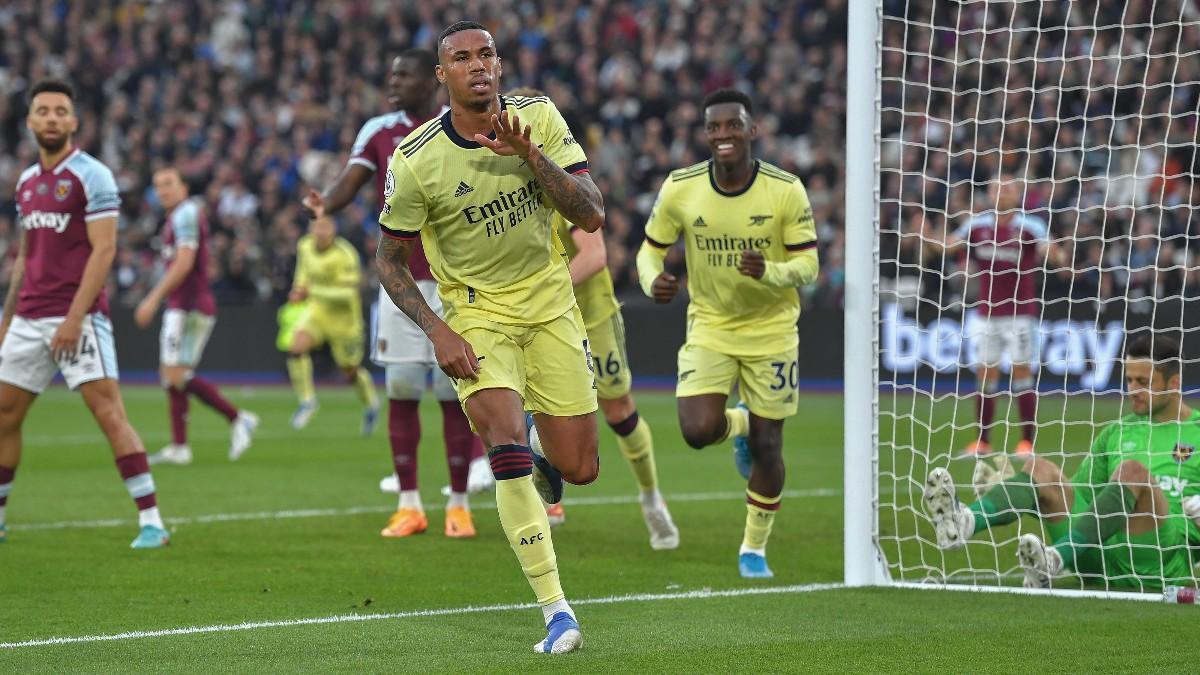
[[1191, 507]]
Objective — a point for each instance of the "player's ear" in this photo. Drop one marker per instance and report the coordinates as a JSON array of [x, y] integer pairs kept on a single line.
[[499, 67], [439, 73]]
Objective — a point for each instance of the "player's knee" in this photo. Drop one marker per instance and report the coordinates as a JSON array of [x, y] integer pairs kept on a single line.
[[701, 432], [1042, 470], [1132, 472], [582, 473], [351, 374]]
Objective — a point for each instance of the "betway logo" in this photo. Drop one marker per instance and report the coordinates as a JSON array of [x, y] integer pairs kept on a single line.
[[39, 220]]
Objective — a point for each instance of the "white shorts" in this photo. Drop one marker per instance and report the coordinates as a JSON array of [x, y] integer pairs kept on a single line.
[[1011, 334], [183, 337], [25, 359], [397, 338]]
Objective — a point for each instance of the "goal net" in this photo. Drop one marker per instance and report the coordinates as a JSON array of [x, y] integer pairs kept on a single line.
[[1086, 114]]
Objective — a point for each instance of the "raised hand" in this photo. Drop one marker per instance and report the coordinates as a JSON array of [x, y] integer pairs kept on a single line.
[[510, 138]]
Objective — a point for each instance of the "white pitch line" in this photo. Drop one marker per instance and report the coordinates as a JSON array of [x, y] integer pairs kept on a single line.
[[702, 594], [359, 510]]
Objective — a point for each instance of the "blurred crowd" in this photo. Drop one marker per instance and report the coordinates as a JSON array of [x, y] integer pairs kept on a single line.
[[256, 100], [1094, 105]]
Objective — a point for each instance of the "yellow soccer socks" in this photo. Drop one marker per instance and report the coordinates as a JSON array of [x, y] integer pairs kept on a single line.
[[300, 371], [637, 445], [365, 388], [760, 515], [737, 424], [523, 518]]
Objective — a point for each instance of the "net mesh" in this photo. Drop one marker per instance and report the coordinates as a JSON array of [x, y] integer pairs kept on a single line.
[[1037, 183]]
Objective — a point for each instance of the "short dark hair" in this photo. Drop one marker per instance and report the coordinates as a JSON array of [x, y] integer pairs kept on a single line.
[[53, 86], [424, 57], [1162, 349], [458, 26], [728, 96]]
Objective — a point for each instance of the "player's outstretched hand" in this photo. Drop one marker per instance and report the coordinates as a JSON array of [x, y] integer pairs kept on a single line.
[[510, 139], [315, 203], [752, 264], [665, 287], [145, 312], [454, 354], [297, 294], [66, 339], [1191, 507]]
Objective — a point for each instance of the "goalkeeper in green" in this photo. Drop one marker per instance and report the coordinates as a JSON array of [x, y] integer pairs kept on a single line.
[[1122, 517]]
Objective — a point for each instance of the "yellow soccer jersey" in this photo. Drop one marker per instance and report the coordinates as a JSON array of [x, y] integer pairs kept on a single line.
[[483, 220], [596, 297], [331, 277], [731, 313]]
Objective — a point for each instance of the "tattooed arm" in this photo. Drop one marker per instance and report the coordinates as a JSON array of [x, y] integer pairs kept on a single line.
[[454, 354]]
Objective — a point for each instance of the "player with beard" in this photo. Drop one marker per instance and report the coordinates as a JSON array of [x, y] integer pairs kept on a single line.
[[399, 345], [751, 242], [56, 311], [478, 186]]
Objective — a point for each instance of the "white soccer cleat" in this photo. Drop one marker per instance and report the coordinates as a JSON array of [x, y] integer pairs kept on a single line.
[[562, 635], [1041, 564], [664, 535], [988, 475], [242, 434], [479, 476], [172, 454], [391, 485], [953, 523], [304, 413]]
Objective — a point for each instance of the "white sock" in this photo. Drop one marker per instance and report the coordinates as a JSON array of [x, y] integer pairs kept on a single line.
[[535, 441], [150, 516], [411, 499], [458, 499], [756, 551], [548, 611], [651, 498]]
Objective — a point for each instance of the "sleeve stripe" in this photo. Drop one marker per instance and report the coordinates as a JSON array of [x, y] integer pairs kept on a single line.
[[578, 167], [656, 244], [801, 247], [362, 162], [99, 215], [398, 234]]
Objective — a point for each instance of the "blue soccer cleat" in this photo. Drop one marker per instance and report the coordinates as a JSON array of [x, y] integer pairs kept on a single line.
[[754, 566], [369, 420], [303, 414], [562, 635], [741, 450], [546, 479], [151, 537]]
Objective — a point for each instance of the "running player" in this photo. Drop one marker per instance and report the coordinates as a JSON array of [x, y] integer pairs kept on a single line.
[[328, 276], [1006, 246], [400, 346], [751, 241], [476, 186], [187, 322], [56, 311], [1121, 517]]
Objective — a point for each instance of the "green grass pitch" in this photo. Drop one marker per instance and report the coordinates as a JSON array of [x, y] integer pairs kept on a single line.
[[291, 532]]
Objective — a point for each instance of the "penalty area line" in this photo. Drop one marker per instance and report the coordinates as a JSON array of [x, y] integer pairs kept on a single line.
[[701, 594]]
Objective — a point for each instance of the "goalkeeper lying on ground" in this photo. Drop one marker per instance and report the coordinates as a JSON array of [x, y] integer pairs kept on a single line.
[[1121, 518]]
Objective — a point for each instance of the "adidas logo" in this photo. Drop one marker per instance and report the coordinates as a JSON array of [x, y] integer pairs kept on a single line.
[[463, 189], [790, 398], [699, 222]]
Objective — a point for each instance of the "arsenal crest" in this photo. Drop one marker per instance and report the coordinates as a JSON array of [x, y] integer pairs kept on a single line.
[[1183, 453], [62, 189]]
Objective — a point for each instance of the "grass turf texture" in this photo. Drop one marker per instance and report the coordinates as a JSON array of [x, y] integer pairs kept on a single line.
[[74, 581]]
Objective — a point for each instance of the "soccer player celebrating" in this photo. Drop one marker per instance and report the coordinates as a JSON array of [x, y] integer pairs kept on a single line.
[[400, 346], [477, 185], [56, 311], [1006, 246], [751, 241], [1121, 516], [328, 275], [187, 322]]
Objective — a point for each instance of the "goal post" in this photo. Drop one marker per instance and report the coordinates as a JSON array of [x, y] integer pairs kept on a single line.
[[1092, 110]]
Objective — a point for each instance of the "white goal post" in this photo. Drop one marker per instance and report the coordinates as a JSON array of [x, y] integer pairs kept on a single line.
[[1094, 108]]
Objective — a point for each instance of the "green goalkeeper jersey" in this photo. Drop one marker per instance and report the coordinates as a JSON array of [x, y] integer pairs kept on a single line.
[[1167, 449]]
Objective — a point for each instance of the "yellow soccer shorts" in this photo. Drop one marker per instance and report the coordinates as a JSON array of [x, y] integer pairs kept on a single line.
[[549, 364], [607, 341], [342, 333], [767, 384]]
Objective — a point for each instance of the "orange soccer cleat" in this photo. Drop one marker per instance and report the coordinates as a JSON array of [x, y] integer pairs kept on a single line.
[[458, 523], [556, 514], [405, 522], [979, 448], [1025, 449]]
